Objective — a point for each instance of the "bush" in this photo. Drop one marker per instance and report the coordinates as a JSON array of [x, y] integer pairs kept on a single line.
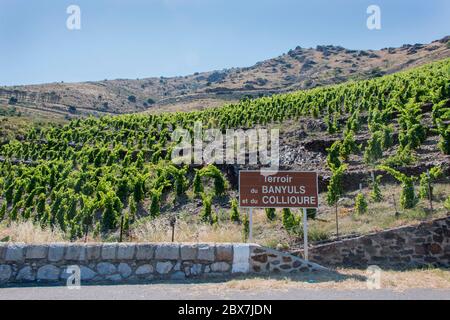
[[408, 198], [376, 192], [234, 215], [270, 213], [132, 99], [206, 215], [360, 204]]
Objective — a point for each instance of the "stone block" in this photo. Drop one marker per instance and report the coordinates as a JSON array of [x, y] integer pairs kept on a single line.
[[144, 270], [188, 252], [105, 268], [26, 274], [48, 273], [56, 252], [15, 252], [145, 251], [109, 251], [5, 273], [178, 275], [163, 267], [124, 270], [224, 252], [206, 252], [75, 252], [36, 252], [93, 251], [220, 267], [167, 252], [125, 251]]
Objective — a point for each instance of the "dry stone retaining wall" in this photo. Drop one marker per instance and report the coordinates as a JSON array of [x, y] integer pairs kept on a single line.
[[129, 262], [427, 243]]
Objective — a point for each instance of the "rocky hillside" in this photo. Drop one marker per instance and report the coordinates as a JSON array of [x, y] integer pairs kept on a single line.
[[298, 69]]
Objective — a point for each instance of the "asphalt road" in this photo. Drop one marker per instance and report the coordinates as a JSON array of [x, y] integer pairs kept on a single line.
[[181, 291]]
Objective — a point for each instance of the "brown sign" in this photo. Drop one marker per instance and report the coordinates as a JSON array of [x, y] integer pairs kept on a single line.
[[281, 189]]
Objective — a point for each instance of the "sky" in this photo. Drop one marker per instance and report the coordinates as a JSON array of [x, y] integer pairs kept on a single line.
[[137, 39]]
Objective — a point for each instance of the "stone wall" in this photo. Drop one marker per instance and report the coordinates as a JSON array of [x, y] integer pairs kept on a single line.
[[427, 243], [132, 262]]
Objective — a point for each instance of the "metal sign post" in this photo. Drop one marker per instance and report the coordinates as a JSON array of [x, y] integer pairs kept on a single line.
[[305, 234], [250, 227]]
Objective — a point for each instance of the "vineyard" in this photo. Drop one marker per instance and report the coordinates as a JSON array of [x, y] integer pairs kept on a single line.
[[99, 175]]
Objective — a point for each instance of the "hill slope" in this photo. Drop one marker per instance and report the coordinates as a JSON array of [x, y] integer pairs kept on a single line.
[[298, 69]]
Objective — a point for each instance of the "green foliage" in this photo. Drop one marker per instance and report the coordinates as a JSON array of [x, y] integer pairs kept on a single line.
[[155, 204], [234, 215], [426, 182], [197, 183], [333, 160], [83, 173], [335, 189], [206, 213], [374, 149], [403, 157], [376, 191], [447, 203], [288, 219], [270, 213], [245, 227], [311, 213], [408, 198], [360, 204], [348, 146], [3, 211], [213, 172]]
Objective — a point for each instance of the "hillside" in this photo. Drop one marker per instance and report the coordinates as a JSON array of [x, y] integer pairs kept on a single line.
[[89, 176], [298, 69]]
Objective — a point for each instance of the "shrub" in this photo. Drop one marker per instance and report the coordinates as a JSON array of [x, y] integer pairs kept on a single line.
[[270, 213], [234, 215], [426, 181], [333, 155], [288, 220], [246, 227], [360, 204], [205, 215], [376, 191], [408, 198], [132, 99], [374, 150]]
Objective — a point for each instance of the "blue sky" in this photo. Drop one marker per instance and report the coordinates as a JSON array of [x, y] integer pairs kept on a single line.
[[137, 38]]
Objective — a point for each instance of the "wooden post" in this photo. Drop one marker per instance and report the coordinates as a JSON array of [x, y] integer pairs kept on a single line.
[[395, 205], [337, 220], [121, 228], [250, 227], [172, 222], [430, 194]]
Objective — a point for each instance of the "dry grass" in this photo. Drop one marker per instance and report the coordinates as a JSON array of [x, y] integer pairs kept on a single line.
[[344, 279], [28, 232], [157, 230]]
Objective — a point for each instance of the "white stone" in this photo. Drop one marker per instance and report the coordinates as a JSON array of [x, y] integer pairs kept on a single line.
[[48, 272], [5, 272], [26, 274], [163, 267], [105, 268], [241, 258], [124, 270], [144, 269]]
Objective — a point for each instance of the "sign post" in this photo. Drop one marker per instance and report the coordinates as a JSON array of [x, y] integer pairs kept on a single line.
[[305, 234], [279, 189]]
